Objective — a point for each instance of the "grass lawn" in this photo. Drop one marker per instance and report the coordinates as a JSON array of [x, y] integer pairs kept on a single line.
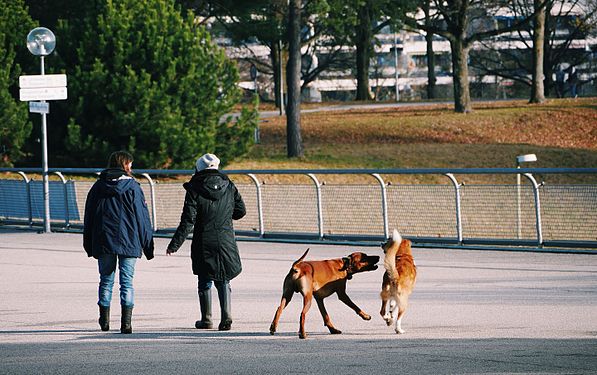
[[561, 132]]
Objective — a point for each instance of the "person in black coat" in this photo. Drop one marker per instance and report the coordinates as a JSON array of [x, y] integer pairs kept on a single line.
[[212, 201], [117, 229], [573, 82]]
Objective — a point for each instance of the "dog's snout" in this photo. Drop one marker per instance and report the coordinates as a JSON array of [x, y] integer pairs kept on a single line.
[[372, 259]]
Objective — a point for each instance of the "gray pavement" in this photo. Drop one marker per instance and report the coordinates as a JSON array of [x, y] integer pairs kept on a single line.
[[481, 312]]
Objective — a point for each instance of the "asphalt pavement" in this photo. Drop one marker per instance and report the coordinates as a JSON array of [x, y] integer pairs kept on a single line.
[[472, 312]]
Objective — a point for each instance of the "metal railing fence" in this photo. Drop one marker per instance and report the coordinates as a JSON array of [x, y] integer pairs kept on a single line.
[[530, 214]]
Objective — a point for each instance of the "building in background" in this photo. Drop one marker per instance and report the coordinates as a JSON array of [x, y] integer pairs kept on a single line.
[[400, 62]]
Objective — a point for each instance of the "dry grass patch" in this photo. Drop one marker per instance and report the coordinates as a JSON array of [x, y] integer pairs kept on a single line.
[[563, 133]]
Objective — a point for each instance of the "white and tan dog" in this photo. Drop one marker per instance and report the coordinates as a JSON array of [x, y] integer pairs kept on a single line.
[[398, 280]]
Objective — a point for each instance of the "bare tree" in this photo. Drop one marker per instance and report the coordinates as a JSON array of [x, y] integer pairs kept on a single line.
[[537, 87], [431, 79], [293, 76], [466, 22], [517, 57]]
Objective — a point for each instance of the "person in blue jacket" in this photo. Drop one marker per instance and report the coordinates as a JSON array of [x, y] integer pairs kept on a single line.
[[211, 202], [117, 229]]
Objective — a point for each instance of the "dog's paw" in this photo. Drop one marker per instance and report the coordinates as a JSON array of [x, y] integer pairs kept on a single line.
[[388, 319], [365, 316], [302, 335], [400, 331], [272, 329], [334, 331]]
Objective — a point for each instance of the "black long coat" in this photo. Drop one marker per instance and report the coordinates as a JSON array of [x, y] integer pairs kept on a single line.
[[212, 201]]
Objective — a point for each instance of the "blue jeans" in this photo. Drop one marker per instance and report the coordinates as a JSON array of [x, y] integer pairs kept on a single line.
[[107, 270], [205, 284]]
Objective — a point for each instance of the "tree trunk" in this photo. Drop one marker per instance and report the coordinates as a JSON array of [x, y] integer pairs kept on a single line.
[[537, 87], [462, 96], [275, 59], [293, 80], [548, 71], [431, 80], [363, 46]]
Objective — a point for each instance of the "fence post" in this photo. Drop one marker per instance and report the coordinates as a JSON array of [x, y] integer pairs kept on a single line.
[[28, 189], [259, 204], [152, 194], [458, 210], [537, 208], [384, 204], [66, 212], [319, 208]]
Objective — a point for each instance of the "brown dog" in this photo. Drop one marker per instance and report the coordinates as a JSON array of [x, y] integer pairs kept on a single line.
[[398, 280], [320, 279]]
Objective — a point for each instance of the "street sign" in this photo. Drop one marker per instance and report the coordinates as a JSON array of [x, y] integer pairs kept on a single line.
[[40, 81], [39, 107], [46, 93]]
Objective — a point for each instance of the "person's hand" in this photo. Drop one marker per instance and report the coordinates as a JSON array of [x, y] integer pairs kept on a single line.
[[169, 252]]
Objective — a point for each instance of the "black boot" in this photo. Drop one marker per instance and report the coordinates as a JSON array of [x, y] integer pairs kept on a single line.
[[205, 306], [104, 318], [125, 320], [224, 292]]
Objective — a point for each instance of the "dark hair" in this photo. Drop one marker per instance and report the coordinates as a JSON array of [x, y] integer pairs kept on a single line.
[[120, 159]]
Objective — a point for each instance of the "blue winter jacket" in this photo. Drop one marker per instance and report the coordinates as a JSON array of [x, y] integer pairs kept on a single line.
[[116, 217]]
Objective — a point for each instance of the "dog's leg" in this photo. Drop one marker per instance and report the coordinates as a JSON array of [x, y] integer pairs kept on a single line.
[[326, 317], [402, 303], [390, 315], [346, 299], [385, 296], [287, 294], [307, 298], [382, 311]]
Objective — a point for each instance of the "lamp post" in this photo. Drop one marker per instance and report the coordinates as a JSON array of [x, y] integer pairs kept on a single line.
[[41, 42], [527, 158]]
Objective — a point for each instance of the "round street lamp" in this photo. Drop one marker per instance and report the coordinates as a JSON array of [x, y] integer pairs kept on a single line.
[[41, 42]]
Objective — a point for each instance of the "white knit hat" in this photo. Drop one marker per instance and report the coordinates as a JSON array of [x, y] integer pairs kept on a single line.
[[207, 161]]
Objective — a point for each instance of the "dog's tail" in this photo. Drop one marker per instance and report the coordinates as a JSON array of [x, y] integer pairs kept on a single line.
[[300, 259], [390, 259]]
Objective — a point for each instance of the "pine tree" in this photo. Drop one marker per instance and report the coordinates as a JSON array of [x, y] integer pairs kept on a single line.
[[15, 125], [145, 78]]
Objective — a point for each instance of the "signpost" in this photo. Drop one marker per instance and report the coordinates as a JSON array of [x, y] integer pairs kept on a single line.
[[43, 80], [43, 93], [41, 42], [39, 107]]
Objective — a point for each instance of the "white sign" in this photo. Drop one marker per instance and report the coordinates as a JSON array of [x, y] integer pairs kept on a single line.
[[46, 93], [45, 80], [39, 107]]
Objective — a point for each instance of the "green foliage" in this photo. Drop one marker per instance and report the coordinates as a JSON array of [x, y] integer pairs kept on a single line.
[[257, 19], [144, 78], [239, 139], [15, 126], [344, 16]]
